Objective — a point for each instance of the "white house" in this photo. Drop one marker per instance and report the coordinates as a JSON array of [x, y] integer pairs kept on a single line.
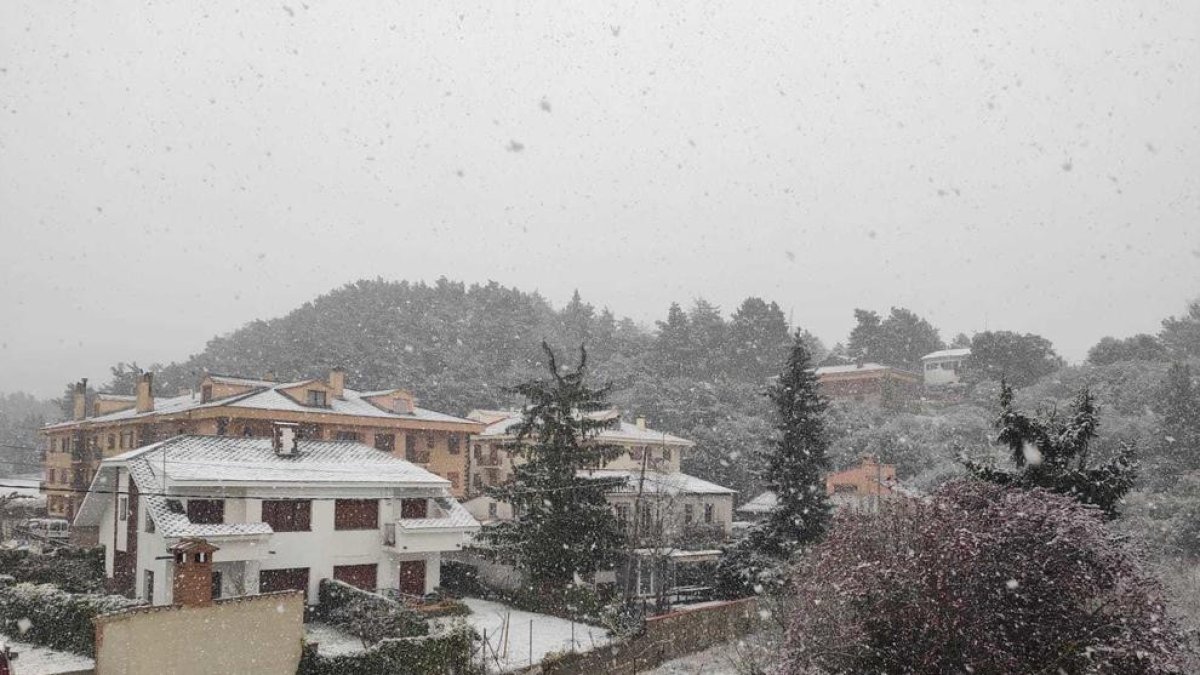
[[649, 463], [943, 367], [284, 514]]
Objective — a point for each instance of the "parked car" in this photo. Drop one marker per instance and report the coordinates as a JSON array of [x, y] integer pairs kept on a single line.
[[47, 528]]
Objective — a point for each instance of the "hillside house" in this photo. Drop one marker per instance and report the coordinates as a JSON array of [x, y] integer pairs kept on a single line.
[[866, 382], [284, 513], [222, 405], [944, 367], [861, 486]]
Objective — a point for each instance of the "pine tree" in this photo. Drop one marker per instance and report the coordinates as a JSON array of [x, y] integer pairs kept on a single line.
[[1051, 452], [563, 526], [796, 466], [1179, 405]]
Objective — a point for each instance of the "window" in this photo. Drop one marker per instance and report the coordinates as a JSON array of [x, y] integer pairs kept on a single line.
[[414, 508], [429, 441], [452, 445], [149, 523], [288, 515], [123, 509], [689, 513], [347, 436], [316, 397], [844, 488], [356, 514], [708, 513], [216, 585], [454, 478], [412, 453], [636, 453], [493, 509], [364, 577], [222, 426], [206, 511], [293, 579], [112, 441], [478, 451], [206, 393], [477, 481], [149, 586], [667, 454], [385, 442], [647, 522]]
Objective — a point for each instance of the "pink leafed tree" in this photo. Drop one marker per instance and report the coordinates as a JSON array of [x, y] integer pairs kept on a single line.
[[979, 578]]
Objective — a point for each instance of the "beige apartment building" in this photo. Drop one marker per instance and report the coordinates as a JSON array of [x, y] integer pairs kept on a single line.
[[224, 405]]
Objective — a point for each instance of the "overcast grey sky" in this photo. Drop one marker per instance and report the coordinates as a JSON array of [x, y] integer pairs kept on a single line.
[[169, 171]]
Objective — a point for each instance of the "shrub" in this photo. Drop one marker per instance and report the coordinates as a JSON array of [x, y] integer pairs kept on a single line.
[[55, 618], [446, 653], [75, 570], [367, 616], [981, 578]]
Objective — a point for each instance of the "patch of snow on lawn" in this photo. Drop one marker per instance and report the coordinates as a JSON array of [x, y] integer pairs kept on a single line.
[[37, 660], [550, 633], [332, 641]]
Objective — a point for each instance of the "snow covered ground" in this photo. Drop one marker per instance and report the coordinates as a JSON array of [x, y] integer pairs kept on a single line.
[[550, 633], [331, 641], [719, 659], [35, 660]]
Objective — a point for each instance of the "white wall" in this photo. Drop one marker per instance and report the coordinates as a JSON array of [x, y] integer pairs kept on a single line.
[[944, 373]]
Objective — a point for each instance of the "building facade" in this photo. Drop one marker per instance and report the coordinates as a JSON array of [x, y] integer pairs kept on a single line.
[[221, 405], [862, 486], [282, 512], [944, 367]]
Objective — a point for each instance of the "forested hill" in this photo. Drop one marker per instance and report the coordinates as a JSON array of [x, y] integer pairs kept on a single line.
[[699, 372]]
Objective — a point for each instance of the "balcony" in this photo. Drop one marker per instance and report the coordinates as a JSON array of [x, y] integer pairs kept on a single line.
[[444, 526]]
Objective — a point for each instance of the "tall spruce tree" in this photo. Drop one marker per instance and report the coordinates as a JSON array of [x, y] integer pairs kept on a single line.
[[1051, 452], [796, 466], [1178, 403], [562, 525]]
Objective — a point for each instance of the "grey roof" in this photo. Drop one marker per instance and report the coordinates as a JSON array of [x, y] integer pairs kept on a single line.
[[625, 433], [660, 482], [174, 522], [268, 396]]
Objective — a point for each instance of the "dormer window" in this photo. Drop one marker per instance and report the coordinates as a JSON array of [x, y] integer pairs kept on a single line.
[[316, 398]]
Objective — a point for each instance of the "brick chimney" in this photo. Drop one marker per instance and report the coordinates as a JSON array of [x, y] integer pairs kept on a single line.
[[192, 583], [337, 382], [79, 400], [145, 397]]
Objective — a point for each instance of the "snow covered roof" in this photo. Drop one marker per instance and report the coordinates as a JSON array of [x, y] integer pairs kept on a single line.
[[947, 354], [456, 516], [225, 460], [763, 503], [851, 368], [625, 432], [269, 396], [660, 482]]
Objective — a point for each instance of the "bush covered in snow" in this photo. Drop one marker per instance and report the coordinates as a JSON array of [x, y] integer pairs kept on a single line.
[[75, 570], [981, 578], [445, 653], [368, 616], [45, 615]]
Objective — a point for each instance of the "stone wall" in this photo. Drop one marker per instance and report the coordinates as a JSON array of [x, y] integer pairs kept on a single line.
[[665, 637]]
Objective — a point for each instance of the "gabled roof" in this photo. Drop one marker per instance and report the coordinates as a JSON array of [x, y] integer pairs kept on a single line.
[[270, 396], [948, 353], [505, 429], [764, 503], [656, 482], [219, 461]]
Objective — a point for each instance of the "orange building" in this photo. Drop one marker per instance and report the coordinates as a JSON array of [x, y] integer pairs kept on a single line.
[[866, 382], [224, 405]]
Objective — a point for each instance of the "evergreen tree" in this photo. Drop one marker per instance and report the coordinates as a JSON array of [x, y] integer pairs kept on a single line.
[[1179, 405], [1181, 335], [1137, 348], [900, 340], [708, 334], [673, 352], [758, 340], [1018, 359], [1051, 452], [796, 466], [562, 525]]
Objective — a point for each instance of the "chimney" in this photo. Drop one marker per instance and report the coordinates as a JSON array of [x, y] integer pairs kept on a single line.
[[145, 398], [285, 439], [269, 376], [192, 582], [79, 400], [641, 422], [337, 382]]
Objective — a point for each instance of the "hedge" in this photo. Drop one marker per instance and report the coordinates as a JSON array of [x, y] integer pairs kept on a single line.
[[345, 607], [447, 653], [56, 618], [76, 570]]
